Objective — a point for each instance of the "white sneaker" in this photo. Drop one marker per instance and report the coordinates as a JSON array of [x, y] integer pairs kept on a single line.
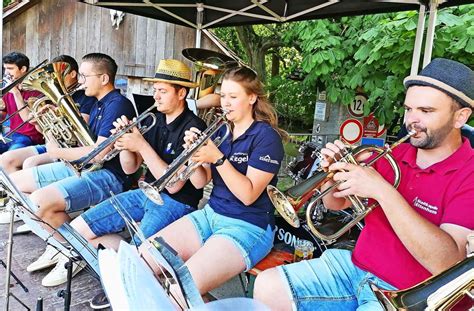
[[23, 229], [58, 275], [49, 258], [5, 216]]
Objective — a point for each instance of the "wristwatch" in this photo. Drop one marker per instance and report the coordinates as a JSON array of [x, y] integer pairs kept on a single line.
[[220, 161]]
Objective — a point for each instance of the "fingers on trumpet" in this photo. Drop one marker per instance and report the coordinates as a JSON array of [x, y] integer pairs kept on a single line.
[[332, 152], [119, 124], [190, 137]]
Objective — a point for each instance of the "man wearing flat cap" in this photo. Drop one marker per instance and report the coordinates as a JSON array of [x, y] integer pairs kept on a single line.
[[419, 229]]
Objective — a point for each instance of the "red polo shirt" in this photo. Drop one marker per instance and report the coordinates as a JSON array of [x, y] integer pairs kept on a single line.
[[441, 193], [27, 129]]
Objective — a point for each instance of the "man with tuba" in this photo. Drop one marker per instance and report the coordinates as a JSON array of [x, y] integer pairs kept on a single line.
[[16, 65], [27, 157], [55, 188], [419, 230]]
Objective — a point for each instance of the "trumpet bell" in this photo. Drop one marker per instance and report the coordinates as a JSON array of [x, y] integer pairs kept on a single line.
[[283, 206], [151, 192]]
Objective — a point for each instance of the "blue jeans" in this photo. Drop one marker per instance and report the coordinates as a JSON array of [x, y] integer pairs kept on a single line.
[[331, 282], [78, 192], [104, 218], [253, 242], [40, 149], [18, 141]]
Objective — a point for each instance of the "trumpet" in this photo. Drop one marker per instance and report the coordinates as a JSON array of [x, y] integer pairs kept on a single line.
[[286, 203], [87, 162], [173, 173], [11, 85]]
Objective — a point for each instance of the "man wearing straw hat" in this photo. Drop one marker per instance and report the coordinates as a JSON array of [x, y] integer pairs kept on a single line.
[[157, 148]]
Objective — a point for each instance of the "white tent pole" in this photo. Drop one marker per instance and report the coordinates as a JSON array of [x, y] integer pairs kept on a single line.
[[430, 32], [420, 29], [199, 19]]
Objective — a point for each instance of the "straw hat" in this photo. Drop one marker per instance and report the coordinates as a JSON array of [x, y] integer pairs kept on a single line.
[[173, 71]]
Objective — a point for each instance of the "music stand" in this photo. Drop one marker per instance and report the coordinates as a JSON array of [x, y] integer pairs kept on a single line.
[[26, 211], [8, 266], [143, 102], [165, 257]]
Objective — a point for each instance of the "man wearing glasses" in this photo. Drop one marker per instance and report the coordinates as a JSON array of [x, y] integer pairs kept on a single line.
[[56, 189]]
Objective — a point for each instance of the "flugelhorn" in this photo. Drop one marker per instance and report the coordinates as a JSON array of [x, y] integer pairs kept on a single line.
[[174, 172], [286, 203], [87, 162]]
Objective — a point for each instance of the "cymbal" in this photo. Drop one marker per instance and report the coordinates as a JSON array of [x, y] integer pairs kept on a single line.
[[208, 58]]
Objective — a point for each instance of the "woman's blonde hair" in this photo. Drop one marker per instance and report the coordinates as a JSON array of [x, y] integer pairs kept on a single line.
[[262, 109]]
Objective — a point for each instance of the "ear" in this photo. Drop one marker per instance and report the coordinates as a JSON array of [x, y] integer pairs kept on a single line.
[[252, 99], [461, 116], [24, 69], [73, 74], [105, 79], [182, 93]]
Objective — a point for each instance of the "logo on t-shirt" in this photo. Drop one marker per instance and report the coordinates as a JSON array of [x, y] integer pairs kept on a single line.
[[169, 149], [239, 157], [417, 202], [268, 159]]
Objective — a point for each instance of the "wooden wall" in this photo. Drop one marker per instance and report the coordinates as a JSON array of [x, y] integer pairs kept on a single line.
[[53, 27]]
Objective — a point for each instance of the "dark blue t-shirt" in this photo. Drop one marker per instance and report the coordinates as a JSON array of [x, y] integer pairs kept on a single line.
[[103, 113], [259, 147], [85, 102]]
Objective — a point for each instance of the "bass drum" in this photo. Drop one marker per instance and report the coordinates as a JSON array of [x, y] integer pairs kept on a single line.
[[302, 166], [286, 235]]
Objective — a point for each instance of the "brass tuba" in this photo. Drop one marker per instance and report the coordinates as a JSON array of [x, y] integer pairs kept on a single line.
[[440, 292], [291, 200], [64, 124]]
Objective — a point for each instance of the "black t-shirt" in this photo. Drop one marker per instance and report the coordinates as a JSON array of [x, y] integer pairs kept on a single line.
[[167, 141]]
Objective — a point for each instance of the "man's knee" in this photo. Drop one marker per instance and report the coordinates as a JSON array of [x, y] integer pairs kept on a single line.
[[48, 200], [9, 162]]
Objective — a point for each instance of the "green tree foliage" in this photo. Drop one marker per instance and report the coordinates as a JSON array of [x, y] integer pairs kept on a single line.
[[371, 53], [375, 52], [7, 2]]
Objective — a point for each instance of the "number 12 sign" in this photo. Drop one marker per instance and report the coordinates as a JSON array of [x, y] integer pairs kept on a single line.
[[356, 108]]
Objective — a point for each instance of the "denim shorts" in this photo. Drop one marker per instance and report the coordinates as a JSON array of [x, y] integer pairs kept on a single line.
[[79, 192], [331, 282], [40, 149], [253, 242], [18, 141], [104, 218]]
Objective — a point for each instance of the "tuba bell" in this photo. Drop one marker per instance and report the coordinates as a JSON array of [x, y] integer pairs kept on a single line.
[[288, 202], [64, 124]]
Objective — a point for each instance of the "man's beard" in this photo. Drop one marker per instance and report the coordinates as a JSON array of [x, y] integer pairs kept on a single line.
[[433, 138]]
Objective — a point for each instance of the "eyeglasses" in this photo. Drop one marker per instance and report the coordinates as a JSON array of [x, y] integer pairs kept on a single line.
[[82, 76]]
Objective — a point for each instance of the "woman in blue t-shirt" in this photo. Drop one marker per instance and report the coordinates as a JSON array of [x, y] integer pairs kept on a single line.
[[234, 231]]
